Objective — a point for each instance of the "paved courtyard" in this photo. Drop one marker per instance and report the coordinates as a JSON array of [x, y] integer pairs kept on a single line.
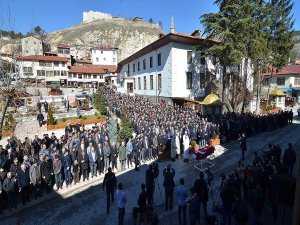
[[86, 204]]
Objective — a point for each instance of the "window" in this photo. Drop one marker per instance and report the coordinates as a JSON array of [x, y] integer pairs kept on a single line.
[[281, 81], [114, 59], [67, 51], [144, 64], [189, 57], [97, 59], [84, 76], [59, 50], [56, 73], [159, 59], [79, 76], [138, 66], [133, 68], [128, 69], [56, 63], [151, 82], [94, 50], [63, 73], [45, 64], [151, 62], [133, 83], [202, 80], [89, 76], [94, 76], [101, 52], [63, 64], [297, 81], [70, 75], [202, 58], [139, 83], [74, 75], [27, 69], [101, 76], [145, 83], [159, 83], [266, 81], [104, 59], [40, 72], [189, 80]]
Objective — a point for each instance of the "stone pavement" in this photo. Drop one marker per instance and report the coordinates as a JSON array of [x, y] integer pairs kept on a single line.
[[86, 204]]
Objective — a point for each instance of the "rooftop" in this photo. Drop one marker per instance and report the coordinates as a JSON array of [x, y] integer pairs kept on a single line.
[[43, 58], [93, 69], [287, 70], [164, 40], [63, 46]]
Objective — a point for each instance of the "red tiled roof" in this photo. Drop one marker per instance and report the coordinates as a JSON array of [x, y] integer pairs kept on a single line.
[[51, 53], [287, 70], [63, 46], [39, 58], [92, 69], [86, 61]]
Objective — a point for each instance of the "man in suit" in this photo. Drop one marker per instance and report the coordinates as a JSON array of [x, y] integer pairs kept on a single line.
[[66, 163], [93, 157], [83, 162], [23, 183]]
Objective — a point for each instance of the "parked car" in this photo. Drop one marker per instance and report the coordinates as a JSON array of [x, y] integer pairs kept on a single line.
[[290, 101]]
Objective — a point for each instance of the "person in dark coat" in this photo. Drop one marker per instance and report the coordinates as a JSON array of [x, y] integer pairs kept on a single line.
[[142, 203], [66, 163], [243, 145], [110, 183], [114, 156], [46, 106], [9, 187], [228, 198], [47, 172], [169, 185], [289, 158], [256, 202], [23, 183], [194, 207], [40, 118], [200, 186], [84, 164], [150, 182]]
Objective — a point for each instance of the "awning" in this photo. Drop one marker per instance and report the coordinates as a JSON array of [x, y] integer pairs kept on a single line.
[[287, 89]]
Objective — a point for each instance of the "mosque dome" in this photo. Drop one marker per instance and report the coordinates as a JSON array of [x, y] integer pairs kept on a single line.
[[277, 92], [211, 99]]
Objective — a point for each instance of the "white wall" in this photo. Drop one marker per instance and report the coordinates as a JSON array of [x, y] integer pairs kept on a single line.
[[35, 66], [91, 16], [105, 57]]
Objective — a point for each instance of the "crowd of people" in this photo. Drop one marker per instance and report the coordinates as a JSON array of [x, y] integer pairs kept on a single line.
[[31, 168]]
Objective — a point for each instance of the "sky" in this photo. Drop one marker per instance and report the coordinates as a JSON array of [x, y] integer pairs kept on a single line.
[[51, 15]]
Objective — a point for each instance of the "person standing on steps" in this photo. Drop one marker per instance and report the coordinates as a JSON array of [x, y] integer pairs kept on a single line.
[[110, 183]]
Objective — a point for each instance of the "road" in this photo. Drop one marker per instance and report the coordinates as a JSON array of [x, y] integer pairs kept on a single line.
[[89, 206]]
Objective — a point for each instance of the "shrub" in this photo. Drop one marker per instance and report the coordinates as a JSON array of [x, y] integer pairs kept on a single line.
[[64, 119], [125, 133], [50, 119]]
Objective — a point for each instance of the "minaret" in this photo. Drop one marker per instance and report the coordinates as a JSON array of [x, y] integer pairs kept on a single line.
[[172, 28]]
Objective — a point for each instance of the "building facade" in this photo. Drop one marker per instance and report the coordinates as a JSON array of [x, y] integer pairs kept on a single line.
[[44, 69], [104, 56], [34, 46], [91, 76], [171, 67], [287, 79]]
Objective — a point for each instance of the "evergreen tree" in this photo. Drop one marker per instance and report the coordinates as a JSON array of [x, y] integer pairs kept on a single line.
[[50, 119]]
